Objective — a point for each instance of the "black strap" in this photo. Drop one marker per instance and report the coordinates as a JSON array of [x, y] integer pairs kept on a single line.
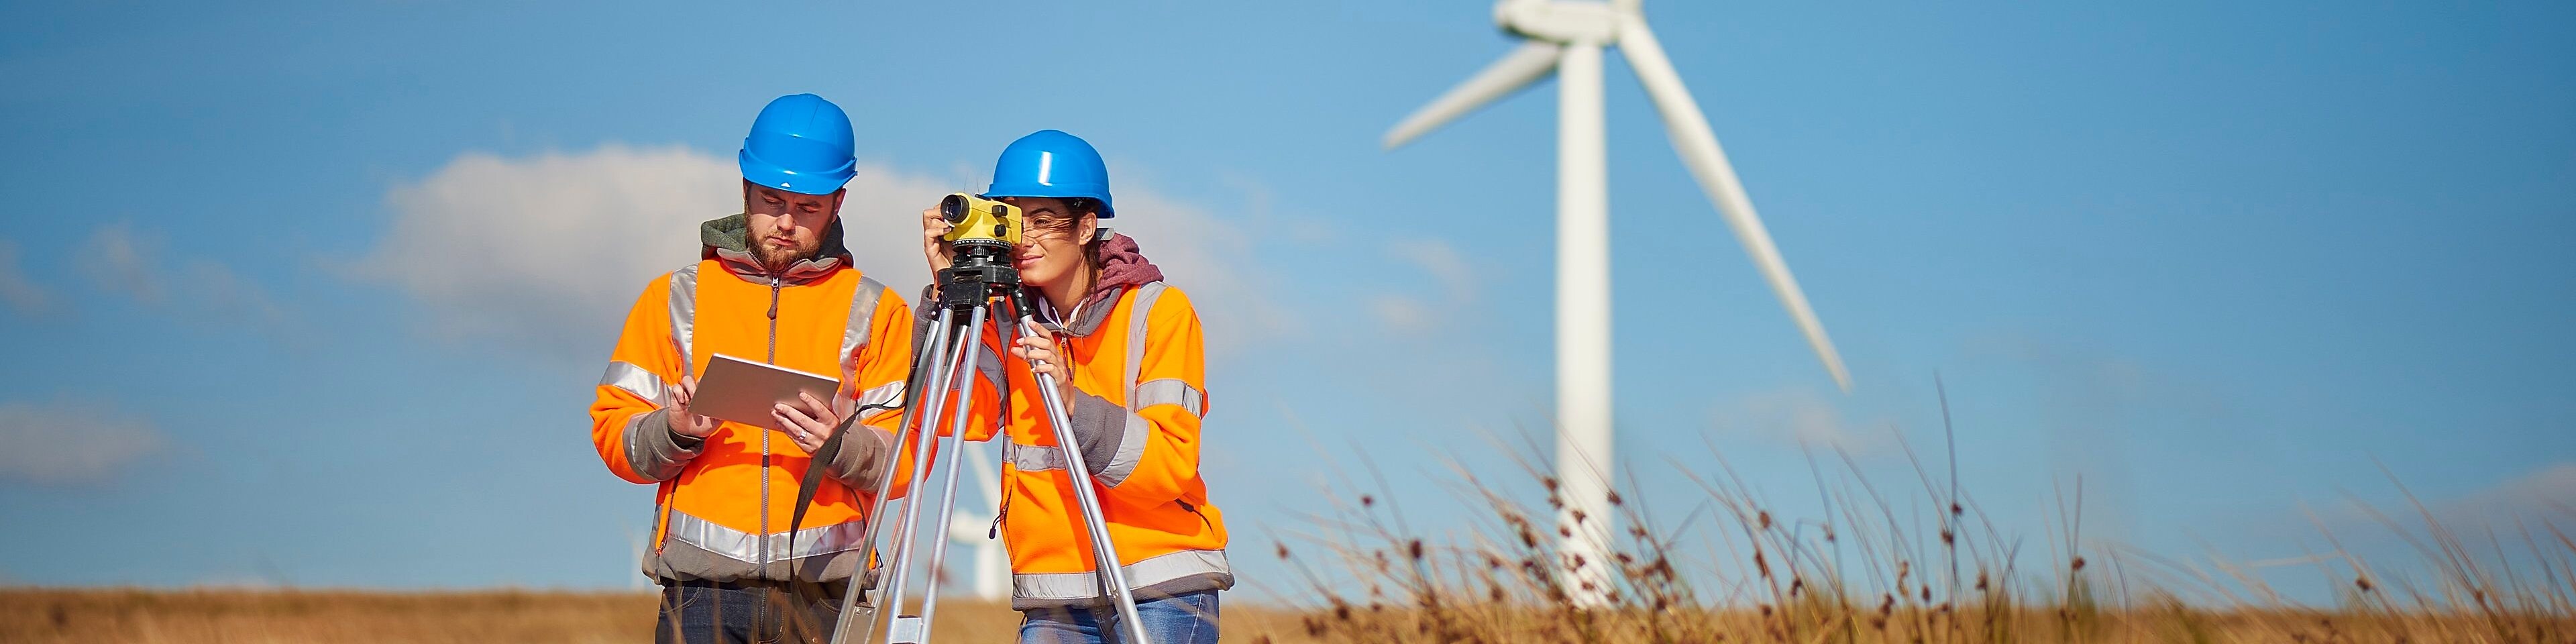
[[813, 478], [814, 475]]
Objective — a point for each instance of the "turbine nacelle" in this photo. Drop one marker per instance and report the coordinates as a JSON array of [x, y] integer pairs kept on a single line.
[[1552, 32], [1565, 22]]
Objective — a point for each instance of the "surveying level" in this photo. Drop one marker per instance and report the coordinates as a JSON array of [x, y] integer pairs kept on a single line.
[[981, 279]]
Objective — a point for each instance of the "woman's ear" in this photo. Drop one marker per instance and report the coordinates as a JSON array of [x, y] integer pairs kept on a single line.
[[1089, 229]]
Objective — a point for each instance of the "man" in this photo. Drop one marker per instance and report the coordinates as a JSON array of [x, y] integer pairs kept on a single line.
[[772, 284]]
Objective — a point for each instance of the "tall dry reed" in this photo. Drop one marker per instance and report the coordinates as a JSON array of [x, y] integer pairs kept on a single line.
[[1868, 570]]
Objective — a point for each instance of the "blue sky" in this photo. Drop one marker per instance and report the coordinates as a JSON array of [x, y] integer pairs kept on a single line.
[[316, 294]]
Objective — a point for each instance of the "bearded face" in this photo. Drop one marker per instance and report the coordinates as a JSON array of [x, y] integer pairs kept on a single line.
[[786, 227]]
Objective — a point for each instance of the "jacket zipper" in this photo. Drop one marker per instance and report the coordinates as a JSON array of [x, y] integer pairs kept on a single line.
[[771, 358], [1000, 512]]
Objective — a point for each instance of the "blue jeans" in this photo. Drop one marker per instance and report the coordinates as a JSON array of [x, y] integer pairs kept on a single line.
[[1179, 619], [694, 613]]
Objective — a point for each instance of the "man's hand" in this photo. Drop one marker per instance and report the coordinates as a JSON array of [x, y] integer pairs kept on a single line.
[[809, 422], [1038, 348], [684, 423], [934, 226]]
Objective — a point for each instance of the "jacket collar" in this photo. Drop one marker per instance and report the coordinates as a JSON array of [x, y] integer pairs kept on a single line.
[[728, 240], [1086, 316]]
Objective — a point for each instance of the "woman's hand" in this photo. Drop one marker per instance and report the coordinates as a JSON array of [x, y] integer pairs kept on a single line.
[[1038, 348], [809, 423], [934, 226]]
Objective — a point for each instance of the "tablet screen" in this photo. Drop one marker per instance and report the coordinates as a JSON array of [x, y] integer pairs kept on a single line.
[[743, 391]]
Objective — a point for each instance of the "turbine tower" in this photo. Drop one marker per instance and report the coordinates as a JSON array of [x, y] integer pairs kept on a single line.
[[1566, 37], [992, 576]]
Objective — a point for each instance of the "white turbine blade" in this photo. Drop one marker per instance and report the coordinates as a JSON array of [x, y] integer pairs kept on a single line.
[[1532, 61], [1698, 148]]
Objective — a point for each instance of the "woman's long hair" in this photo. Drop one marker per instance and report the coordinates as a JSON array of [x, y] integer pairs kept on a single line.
[[1092, 262]]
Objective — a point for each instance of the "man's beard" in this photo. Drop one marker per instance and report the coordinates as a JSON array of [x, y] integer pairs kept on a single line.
[[777, 261]]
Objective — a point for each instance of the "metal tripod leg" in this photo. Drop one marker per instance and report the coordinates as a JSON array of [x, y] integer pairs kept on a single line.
[[849, 615], [901, 627], [969, 344], [924, 409], [1113, 577], [955, 352]]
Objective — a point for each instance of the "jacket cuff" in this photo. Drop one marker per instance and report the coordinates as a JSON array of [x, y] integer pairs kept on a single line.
[[922, 317], [862, 459], [652, 450], [1098, 427]]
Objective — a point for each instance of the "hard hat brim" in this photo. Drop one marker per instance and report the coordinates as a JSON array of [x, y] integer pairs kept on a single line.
[[1057, 191], [811, 183]]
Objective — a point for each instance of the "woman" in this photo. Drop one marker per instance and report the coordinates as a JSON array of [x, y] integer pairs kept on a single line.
[[1124, 350]]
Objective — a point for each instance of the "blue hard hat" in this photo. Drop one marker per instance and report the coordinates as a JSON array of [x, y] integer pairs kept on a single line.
[[1051, 163], [800, 143]]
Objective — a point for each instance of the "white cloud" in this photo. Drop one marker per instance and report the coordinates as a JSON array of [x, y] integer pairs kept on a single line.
[[2547, 491], [2547, 494], [1796, 415], [551, 250], [71, 443], [1443, 263], [1401, 314], [1413, 312], [21, 294], [115, 258], [137, 264]]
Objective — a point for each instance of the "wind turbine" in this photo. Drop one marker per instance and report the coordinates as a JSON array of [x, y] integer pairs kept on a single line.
[[992, 574], [1566, 37]]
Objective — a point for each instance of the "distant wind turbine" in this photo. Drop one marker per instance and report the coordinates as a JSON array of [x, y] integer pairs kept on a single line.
[[1566, 37], [992, 574]]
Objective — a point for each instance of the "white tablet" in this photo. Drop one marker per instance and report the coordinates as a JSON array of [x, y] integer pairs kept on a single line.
[[743, 391]]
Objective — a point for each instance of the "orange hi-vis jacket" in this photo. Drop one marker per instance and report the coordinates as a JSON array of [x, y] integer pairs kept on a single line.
[[1141, 375], [723, 505]]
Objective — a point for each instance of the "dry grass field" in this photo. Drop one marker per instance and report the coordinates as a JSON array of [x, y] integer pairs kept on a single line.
[[1907, 562], [1895, 562], [98, 616], [45, 616]]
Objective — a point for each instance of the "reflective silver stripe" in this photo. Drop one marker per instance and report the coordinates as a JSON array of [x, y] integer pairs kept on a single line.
[[636, 380], [885, 394], [1136, 321], [1032, 458], [745, 546], [1170, 391], [1078, 586], [1131, 442], [988, 364], [1131, 451], [684, 314], [863, 312]]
